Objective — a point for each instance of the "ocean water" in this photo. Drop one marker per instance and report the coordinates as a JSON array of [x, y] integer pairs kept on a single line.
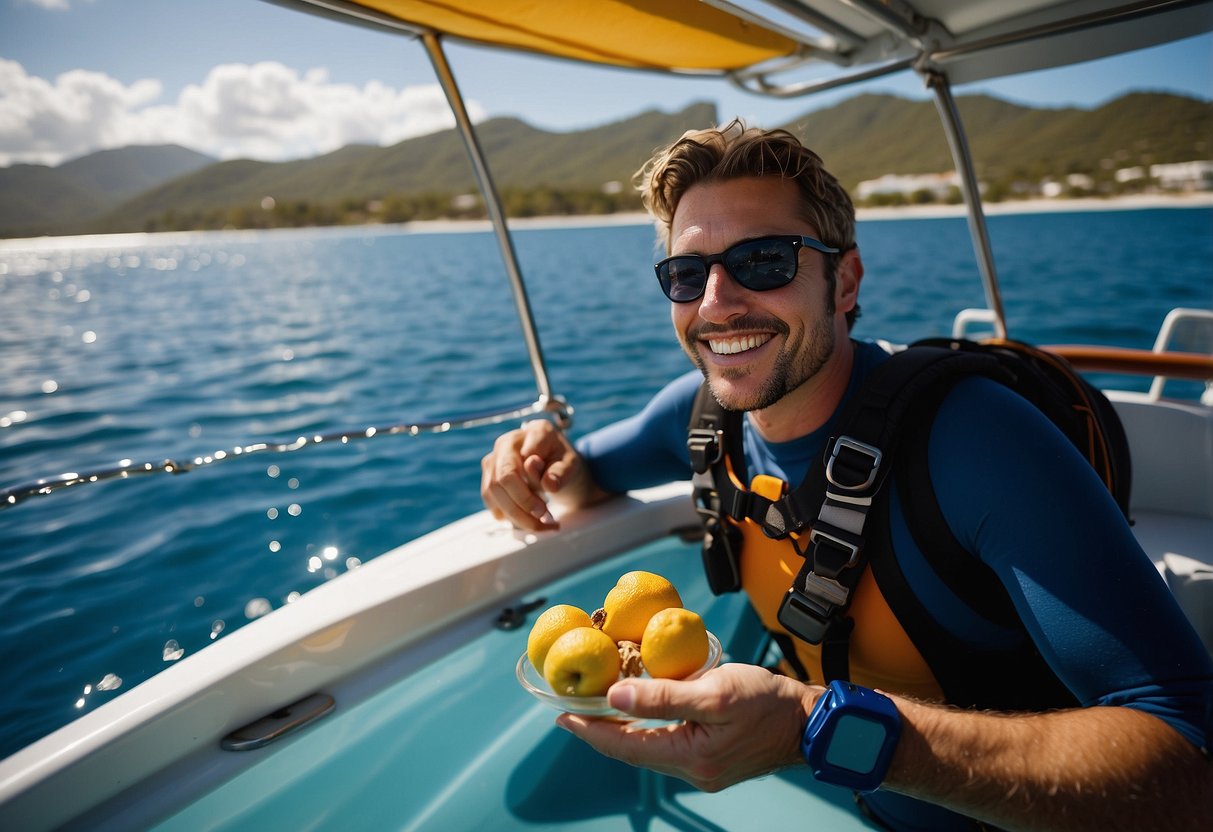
[[176, 346]]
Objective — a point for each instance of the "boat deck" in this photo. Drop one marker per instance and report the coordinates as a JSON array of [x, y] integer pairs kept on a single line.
[[486, 755]]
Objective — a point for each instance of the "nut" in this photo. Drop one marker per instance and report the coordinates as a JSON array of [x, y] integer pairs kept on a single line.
[[629, 654]]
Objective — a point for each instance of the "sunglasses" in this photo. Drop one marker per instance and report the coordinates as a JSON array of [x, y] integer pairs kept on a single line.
[[758, 265]]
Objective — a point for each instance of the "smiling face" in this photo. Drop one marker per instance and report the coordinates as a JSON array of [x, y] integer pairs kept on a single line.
[[755, 348]]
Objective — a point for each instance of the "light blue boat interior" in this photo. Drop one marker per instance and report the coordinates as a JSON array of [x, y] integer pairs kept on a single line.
[[460, 745]]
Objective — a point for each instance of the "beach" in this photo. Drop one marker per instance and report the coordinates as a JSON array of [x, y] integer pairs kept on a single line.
[[1136, 202]]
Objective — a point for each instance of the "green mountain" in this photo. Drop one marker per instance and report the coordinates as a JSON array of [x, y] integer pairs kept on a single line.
[[872, 135], [40, 200], [537, 171], [520, 156], [123, 173]]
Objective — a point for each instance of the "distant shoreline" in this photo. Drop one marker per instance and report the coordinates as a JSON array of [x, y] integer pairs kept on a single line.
[[902, 212], [1137, 202]]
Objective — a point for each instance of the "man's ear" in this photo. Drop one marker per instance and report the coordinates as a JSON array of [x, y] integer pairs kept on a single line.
[[847, 279]]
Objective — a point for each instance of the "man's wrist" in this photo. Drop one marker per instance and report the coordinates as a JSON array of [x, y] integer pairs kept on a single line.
[[808, 700]]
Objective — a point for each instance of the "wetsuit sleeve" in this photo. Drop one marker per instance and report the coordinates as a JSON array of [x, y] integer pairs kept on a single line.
[[649, 448], [1021, 497]]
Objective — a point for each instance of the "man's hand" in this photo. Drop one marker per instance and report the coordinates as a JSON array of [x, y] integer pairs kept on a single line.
[[1097, 768], [741, 721], [527, 463]]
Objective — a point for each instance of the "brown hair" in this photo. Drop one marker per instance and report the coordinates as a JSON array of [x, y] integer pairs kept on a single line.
[[735, 151]]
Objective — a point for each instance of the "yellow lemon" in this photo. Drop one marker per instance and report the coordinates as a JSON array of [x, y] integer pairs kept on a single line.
[[583, 662], [675, 644], [551, 624], [634, 599]]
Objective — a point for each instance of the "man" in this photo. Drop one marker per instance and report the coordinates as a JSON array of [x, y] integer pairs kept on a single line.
[[729, 203]]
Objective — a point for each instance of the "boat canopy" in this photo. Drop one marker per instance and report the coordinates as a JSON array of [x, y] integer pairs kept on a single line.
[[827, 42], [677, 35]]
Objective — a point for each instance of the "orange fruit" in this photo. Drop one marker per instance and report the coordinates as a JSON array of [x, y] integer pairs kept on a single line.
[[551, 624], [675, 644], [634, 599], [582, 662]]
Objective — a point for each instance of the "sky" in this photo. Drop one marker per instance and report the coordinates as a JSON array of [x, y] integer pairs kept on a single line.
[[246, 78]]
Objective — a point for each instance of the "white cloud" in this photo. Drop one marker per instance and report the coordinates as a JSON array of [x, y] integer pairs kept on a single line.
[[264, 111]]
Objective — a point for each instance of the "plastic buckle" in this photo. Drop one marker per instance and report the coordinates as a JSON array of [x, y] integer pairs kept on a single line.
[[782, 517], [720, 551], [706, 447], [803, 617], [831, 552], [861, 448]]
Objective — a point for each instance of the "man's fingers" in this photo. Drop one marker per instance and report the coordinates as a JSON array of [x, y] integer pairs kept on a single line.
[[663, 699], [734, 722], [539, 437], [509, 491], [556, 474], [661, 749], [513, 494], [555, 458], [535, 467], [524, 466]]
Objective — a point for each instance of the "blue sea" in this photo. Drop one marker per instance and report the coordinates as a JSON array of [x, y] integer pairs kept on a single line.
[[175, 346]]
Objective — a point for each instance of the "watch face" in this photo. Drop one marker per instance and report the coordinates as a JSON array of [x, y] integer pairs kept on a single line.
[[855, 745]]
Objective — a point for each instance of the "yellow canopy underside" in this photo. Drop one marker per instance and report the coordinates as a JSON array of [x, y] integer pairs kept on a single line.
[[650, 34]]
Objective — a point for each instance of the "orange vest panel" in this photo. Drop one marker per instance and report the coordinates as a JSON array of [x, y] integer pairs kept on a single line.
[[881, 654]]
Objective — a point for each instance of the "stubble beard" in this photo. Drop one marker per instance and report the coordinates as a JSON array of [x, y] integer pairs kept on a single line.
[[796, 363]]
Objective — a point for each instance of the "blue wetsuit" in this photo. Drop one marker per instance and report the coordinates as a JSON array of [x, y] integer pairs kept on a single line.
[[1095, 605]]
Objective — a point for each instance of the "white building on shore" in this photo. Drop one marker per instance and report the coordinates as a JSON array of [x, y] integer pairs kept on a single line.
[[1052, 188], [1184, 176], [940, 185], [1176, 176]]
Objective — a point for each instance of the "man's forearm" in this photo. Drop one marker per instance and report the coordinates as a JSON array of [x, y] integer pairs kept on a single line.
[[1094, 768]]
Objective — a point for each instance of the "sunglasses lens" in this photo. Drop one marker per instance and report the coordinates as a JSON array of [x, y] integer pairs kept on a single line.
[[758, 265], [682, 278], [762, 264]]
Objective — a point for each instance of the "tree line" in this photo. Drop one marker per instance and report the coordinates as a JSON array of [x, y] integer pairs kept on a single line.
[[545, 202]]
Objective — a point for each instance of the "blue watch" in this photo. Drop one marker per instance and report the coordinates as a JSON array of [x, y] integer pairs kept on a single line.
[[850, 736]]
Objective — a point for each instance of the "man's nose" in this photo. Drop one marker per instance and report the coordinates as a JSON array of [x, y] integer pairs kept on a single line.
[[723, 297]]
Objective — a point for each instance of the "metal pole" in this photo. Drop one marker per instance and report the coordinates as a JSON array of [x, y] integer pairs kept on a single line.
[[492, 203], [963, 160]]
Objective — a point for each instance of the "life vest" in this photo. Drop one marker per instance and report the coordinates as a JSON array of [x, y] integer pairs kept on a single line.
[[817, 561], [881, 655]]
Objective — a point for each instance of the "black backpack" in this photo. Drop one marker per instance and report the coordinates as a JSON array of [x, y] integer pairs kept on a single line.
[[844, 506]]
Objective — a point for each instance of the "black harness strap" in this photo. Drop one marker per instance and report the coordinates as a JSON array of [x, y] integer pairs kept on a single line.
[[1009, 679], [964, 575], [787, 647], [715, 440], [855, 464]]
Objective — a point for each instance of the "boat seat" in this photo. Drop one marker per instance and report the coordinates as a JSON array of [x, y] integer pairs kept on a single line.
[[1180, 545], [1171, 444]]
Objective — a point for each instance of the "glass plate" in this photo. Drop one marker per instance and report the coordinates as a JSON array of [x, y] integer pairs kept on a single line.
[[535, 685]]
